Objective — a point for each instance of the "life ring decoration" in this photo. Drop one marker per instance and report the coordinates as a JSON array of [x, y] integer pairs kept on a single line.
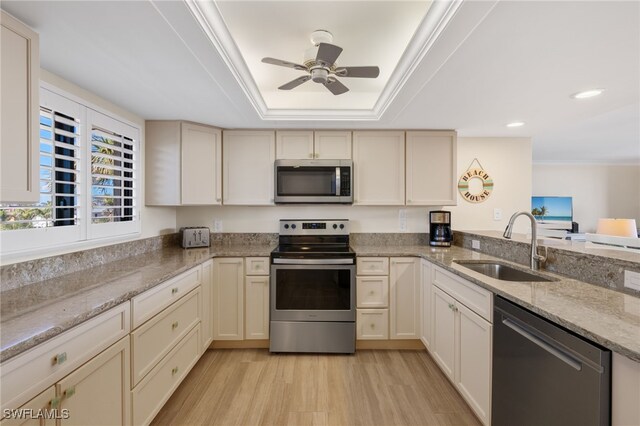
[[487, 185]]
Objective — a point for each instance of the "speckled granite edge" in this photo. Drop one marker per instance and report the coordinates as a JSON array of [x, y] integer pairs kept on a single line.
[[609, 318], [591, 268], [33, 271]]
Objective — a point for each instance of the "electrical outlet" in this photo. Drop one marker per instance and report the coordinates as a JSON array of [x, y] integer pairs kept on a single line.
[[497, 214], [632, 280], [402, 220], [475, 244], [217, 225]]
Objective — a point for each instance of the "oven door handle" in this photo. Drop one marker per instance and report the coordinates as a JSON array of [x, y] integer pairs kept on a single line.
[[279, 261]]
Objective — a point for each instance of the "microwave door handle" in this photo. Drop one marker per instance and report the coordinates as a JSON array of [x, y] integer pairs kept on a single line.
[[337, 181]]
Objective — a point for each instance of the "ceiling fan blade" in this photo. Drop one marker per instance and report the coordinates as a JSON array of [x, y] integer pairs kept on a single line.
[[282, 63], [328, 53], [295, 83], [335, 86], [363, 72]]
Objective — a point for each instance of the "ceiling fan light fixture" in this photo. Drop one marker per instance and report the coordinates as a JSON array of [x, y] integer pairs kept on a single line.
[[587, 94], [319, 75]]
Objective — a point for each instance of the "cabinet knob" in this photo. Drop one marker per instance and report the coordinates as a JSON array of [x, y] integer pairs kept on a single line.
[[60, 358], [174, 290], [174, 370], [54, 403], [174, 325], [70, 392]]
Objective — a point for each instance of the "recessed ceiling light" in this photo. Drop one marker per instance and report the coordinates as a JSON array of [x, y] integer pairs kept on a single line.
[[516, 124], [587, 94]]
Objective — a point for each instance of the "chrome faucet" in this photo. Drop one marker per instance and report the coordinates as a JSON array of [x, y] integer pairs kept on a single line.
[[536, 259]]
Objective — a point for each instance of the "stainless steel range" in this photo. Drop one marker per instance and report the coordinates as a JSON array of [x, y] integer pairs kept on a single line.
[[313, 290]]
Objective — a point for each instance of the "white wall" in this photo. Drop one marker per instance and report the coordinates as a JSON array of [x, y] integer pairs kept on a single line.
[[508, 160], [598, 190]]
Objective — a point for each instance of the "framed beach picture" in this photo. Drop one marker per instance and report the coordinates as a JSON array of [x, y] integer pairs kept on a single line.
[[553, 212]]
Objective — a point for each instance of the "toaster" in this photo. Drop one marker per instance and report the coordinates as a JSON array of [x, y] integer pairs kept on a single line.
[[194, 236]]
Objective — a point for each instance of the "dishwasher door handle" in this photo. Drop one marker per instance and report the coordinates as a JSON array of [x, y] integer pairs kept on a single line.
[[547, 346]]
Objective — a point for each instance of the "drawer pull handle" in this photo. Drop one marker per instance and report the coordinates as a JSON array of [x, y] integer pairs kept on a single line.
[[174, 290], [60, 358], [174, 371], [70, 392], [174, 325], [54, 403]]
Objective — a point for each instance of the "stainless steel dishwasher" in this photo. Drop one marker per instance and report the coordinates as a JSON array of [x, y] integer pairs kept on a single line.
[[544, 374]]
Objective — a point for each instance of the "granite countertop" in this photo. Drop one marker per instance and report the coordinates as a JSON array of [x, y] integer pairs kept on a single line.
[[607, 317], [33, 314]]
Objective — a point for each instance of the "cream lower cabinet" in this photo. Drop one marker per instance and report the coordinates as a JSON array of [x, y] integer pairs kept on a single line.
[[98, 392], [425, 303], [625, 390], [46, 402], [404, 298], [228, 298], [372, 298], [461, 340], [256, 298], [207, 304]]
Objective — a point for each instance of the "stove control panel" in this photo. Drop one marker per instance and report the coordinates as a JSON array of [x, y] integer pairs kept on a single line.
[[314, 227]]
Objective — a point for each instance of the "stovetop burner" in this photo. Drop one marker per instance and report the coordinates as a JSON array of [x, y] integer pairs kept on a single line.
[[313, 239]]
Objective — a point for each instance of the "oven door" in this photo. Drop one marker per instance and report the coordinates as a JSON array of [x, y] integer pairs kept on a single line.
[[313, 292]]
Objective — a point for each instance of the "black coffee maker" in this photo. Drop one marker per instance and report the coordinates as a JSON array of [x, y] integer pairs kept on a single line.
[[440, 228]]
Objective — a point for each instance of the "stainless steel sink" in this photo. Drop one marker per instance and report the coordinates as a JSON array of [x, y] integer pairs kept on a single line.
[[501, 271]]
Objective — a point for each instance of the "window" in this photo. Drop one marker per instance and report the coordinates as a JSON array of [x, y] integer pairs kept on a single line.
[[88, 179]]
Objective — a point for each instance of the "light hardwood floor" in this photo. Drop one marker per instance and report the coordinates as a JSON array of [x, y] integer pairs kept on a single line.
[[372, 387]]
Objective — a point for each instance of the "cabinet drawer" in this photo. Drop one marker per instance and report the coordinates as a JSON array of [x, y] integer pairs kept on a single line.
[[27, 374], [155, 338], [256, 266], [372, 292], [40, 402], [154, 390], [154, 300], [471, 295], [372, 324], [372, 265]]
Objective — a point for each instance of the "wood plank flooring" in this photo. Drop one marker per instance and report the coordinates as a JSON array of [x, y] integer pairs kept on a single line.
[[372, 387]]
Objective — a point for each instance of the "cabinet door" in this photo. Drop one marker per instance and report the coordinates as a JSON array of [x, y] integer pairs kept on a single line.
[[294, 144], [201, 165], [404, 303], [425, 303], [332, 145], [46, 401], [99, 391], [473, 372], [19, 109], [378, 159], [444, 327], [257, 307], [248, 158], [207, 304], [228, 299], [431, 168]]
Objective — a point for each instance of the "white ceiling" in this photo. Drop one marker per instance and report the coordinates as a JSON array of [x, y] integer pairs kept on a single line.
[[493, 63]]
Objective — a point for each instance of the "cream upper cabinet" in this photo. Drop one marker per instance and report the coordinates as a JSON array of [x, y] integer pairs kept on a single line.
[[248, 157], [183, 164], [294, 144], [404, 300], [19, 123], [431, 168], [379, 177], [307, 144]]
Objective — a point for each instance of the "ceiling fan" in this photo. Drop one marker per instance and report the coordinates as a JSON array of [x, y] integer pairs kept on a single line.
[[320, 64]]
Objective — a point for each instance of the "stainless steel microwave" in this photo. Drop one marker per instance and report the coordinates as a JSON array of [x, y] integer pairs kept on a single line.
[[314, 181]]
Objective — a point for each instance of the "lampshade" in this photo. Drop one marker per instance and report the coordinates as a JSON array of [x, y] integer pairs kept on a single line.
[[618, 227]]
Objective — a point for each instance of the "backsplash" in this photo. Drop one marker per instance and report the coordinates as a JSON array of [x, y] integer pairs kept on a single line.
[[599, 270], [25, 273], [389, 239]]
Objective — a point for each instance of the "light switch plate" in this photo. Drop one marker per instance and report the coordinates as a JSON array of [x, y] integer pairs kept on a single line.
[[217, 225], [497, 214], [632, 280], [402, 219], [475, 244]]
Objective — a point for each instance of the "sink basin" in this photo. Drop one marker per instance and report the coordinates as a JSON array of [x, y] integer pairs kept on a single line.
[[502, 272]]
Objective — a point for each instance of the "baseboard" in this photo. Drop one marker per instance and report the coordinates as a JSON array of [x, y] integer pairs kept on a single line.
[[239, 344], [411, 344]]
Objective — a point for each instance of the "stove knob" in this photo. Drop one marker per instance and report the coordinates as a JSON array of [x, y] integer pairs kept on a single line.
[[286, 226], [293, 226], [335, 226], [341, 226]]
